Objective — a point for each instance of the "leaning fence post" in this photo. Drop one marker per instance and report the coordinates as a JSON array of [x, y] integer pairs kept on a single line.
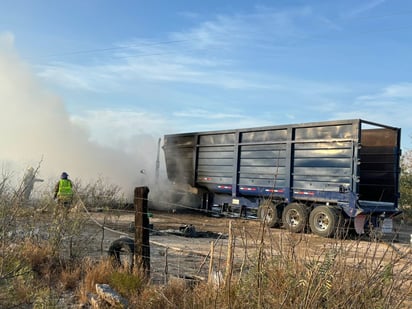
[[212, 253], [141, 240], [229, 258], [166, 266]]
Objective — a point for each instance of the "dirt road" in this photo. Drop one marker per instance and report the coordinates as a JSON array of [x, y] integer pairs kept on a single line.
[[181, 242]]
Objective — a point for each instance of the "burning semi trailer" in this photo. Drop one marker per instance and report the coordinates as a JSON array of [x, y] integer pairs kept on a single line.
[[170, 196], [324, 175]]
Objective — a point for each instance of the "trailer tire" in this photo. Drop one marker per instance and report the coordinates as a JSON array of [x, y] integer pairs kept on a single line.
[[268, 213], [324, 221], [122, 252], [295, 217]]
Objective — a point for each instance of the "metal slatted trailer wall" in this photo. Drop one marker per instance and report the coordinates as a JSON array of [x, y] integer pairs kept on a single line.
[[379, 157], [323, 161], [320, 173], [179, 155], [263, 161], [215, 161]]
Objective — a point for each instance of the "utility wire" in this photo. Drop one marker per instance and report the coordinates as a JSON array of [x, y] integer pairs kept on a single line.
[[293, 41], [99, 50]]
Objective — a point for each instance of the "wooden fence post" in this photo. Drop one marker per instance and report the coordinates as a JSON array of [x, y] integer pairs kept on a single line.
[[141, 240], [211, 261], [229, 265], [229, 257]]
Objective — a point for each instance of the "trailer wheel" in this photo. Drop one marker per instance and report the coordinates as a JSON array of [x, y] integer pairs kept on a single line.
[[268, 213], [295, 217], [324, 221], [122, 251]]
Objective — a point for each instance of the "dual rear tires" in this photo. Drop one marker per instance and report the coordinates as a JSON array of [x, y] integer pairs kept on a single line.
[[323, 220], [270, 213], [295, 217]]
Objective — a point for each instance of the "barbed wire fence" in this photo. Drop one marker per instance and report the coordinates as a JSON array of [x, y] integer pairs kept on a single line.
[[182, 253], [186, 253], [193, 253]]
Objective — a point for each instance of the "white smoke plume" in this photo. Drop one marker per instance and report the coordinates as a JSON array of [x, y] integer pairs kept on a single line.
[[36, 127]]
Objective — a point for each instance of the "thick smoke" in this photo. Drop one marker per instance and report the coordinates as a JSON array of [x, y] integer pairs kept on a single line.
[[36, 128]]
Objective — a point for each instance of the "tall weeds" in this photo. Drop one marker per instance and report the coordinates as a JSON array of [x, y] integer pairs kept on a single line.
[[289, 273], [44, 254]]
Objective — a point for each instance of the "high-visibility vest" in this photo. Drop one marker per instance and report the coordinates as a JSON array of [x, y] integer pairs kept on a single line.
[[65, 189]]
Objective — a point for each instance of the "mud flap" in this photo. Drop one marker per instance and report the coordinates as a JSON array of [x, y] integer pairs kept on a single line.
[[387, 226], [360, 224]]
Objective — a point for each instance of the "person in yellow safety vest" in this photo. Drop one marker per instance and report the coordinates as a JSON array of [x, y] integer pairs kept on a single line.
[[64, 190]]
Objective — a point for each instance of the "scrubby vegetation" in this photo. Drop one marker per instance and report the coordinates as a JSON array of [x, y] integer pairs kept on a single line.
[[43, 261], [328, 280], [406, 186]]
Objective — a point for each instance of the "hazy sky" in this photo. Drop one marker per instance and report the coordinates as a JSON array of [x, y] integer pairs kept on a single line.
[[103, 80]]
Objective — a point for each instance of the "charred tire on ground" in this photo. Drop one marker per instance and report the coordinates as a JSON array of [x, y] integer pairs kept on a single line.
[[324, 221], [269, 214], [295, 217], [122, 251]]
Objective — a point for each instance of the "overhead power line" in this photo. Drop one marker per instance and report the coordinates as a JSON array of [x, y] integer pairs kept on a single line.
[[289, 43], [97, 50]]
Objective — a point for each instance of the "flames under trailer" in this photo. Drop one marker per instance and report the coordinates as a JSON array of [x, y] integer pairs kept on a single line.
[[323, 175]]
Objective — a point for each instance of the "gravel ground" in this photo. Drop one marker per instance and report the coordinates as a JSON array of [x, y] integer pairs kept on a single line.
[[173, 254]]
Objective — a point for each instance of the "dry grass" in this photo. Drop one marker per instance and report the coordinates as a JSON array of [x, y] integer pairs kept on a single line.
[[93, 273], [274, 271], [288, 272]]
